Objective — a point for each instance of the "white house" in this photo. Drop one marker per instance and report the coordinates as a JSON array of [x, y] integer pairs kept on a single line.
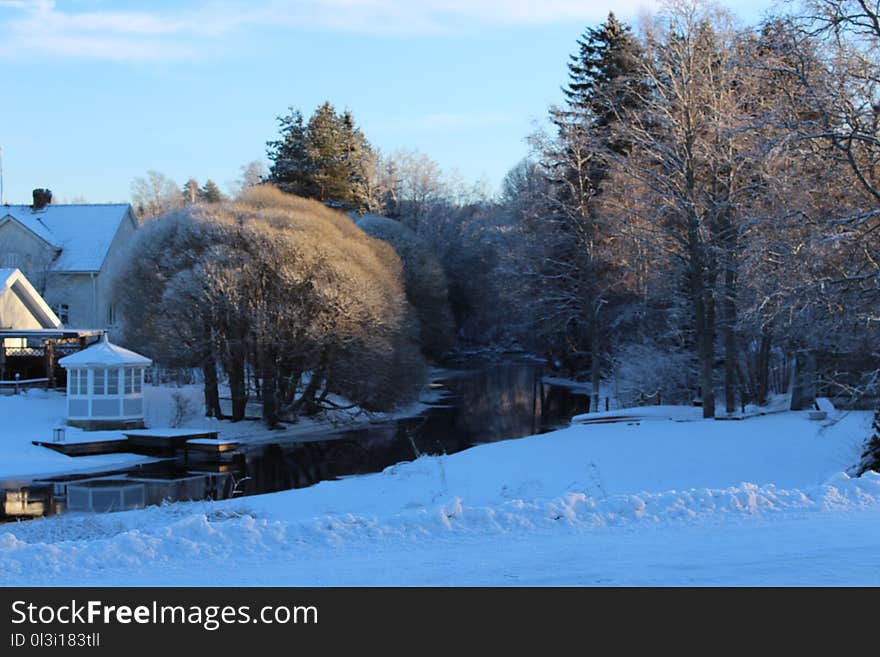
[[105, 385], [69, 253], [21, 306]]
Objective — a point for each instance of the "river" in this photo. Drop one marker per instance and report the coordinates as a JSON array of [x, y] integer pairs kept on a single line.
[[480, 403]]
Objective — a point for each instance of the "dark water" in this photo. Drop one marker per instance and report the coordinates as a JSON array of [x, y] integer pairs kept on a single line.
[[483, 404]]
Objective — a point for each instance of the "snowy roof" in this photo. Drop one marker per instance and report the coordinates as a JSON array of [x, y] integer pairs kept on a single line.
[[82, 232], [104, 353], [14, 280]]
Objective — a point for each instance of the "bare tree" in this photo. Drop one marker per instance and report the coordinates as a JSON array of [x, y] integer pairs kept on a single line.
[[154, 194], [689, 167]]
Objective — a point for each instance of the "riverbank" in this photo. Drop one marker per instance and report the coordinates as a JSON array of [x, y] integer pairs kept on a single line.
[[34, 414], [759, 501]]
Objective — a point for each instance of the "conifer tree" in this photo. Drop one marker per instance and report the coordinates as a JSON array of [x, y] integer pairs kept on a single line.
[[603, 77], [325, 159], [210, 193], [291, 167]]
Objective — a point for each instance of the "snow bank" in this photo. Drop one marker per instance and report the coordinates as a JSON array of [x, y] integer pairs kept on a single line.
[[622, 487], [199, 533]]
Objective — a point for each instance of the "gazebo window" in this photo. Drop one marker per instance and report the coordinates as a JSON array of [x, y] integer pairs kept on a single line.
[[113, 382], [100, 375], [133, 380], [77, 382]]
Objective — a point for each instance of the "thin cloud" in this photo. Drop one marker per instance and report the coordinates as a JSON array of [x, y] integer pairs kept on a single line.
[[40, 27]]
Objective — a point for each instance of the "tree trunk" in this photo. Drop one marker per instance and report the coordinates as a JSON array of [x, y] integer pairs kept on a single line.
[[707, 383], [704, 337], [595, 368], [803, 389], [764, 368], [238, 382], [730, 352], [270, 392], [212, 392], [307, 400]]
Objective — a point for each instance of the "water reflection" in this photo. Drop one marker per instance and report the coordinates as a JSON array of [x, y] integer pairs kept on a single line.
[[484, 404]]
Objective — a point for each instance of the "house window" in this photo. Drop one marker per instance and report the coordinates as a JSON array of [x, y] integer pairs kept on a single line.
[[63, 312], [10, 260]]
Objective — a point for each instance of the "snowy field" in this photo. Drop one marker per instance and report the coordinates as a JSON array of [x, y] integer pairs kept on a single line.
[[669, 500]]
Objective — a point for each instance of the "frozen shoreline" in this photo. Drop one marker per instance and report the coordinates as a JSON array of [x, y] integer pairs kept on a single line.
[[660, 503]]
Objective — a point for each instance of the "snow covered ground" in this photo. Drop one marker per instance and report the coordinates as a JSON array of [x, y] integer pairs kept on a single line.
[[32, 416], [652, 502]]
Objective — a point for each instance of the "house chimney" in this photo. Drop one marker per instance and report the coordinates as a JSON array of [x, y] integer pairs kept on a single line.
[[42, 198]]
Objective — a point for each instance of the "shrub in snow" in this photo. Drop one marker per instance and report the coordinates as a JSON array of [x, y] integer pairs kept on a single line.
[[648, 373], [184, 409]]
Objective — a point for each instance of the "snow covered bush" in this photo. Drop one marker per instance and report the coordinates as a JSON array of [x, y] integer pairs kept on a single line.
[[647, 373]]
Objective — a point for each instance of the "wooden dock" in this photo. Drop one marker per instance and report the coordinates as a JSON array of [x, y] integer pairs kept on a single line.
[[86, 448], [159, 442], [201, 450], [211, 446], [163, 441]]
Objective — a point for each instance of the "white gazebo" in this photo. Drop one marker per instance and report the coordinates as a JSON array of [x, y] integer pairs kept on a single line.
[[105, 386]]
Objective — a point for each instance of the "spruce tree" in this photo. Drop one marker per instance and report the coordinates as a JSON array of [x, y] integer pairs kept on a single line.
[[291, 168], [603, 74], [324, 159], [210, 193], [579, 266]]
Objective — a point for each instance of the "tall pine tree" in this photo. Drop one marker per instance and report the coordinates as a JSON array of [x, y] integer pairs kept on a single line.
[[603, 79], [291, 168], [324, 159], [210, 193]]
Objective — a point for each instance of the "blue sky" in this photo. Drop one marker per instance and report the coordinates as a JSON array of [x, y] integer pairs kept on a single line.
[[95, 93]]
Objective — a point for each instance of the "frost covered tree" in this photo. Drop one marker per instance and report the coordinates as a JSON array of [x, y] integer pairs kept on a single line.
[[577, 286], [278, 289], [154, 194], [691, 170], [425, 282], [415, 183]]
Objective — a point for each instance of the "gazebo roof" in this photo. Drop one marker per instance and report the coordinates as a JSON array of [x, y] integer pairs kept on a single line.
[[104, 354]]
